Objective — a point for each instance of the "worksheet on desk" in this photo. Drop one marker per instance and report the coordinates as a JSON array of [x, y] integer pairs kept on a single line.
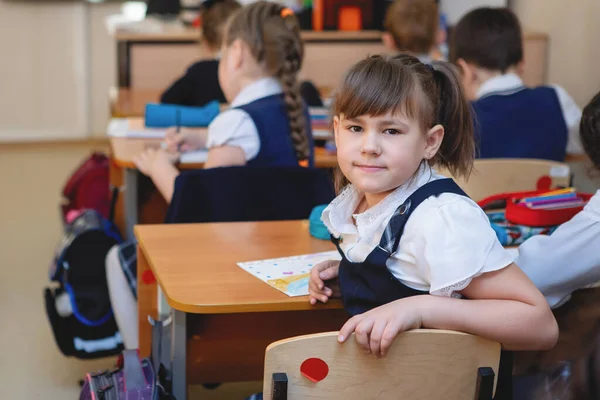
[[133, 128], [288, 274]]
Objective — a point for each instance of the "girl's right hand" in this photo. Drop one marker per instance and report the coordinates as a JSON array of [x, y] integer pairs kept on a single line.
[[323, 271], [184, 140]]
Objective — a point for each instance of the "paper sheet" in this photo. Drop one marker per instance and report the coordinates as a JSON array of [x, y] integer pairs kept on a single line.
[[288, 274], [133, 128]]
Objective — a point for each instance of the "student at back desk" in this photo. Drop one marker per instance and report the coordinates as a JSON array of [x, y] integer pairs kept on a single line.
[[513, 121], [413, 26], [266, 126], [200, 84], [268, 123]]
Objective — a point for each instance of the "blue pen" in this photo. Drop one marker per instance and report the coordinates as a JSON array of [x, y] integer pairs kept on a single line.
[[178, 127]]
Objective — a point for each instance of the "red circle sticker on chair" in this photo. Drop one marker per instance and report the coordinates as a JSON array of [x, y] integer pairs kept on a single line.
[[314, 369], [544, 183], [148, 277]]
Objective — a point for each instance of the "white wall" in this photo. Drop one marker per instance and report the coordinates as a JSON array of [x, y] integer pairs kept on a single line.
[[43, 89], [57, 64], [103, 72], [574, 32]]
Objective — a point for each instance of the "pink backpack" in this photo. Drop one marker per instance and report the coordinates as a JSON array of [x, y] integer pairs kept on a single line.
[[135, 379]]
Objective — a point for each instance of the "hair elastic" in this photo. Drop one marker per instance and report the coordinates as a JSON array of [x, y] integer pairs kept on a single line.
[[286, 12]]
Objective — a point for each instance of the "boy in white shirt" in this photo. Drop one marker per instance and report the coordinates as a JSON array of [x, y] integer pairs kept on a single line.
[[569, 259]]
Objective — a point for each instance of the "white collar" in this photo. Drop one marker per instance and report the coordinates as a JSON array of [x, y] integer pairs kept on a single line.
[[339, 215], [257, 90], [505, 84]]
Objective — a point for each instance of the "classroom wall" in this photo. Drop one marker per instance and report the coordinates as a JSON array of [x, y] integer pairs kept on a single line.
[[57, 64], [43, 86], [574, 33], [103, 73]]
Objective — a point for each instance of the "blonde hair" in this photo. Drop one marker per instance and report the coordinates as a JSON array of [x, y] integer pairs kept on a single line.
[[413, 24], [272, 33]]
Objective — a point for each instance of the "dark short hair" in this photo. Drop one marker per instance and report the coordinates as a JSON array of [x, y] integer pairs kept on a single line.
[[489, 38], [590, 130]]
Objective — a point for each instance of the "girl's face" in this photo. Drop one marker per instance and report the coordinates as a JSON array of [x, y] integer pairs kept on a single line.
[[379, 153]]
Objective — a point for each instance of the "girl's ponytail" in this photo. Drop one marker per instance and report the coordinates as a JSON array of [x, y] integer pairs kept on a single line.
[[453, 112]]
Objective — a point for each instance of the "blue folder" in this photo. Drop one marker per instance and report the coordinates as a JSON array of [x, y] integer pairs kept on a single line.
[[168, 115]]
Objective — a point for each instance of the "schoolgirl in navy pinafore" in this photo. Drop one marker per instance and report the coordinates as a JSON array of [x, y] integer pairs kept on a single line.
[[370, 284]]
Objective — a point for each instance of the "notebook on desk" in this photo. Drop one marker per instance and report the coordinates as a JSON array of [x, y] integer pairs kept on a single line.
[[133, 128], [194, 157]]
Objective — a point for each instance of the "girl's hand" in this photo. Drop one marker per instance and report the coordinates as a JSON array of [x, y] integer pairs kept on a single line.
[[376, 329], [152, 160], [323, 271], [184, 140]]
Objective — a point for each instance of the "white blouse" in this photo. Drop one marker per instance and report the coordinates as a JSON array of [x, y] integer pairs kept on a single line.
[[567, 260], [235, 127], [447, 240]]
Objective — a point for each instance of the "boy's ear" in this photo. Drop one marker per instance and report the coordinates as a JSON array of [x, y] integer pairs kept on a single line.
[[521, 68], [469, 76], [388, 41]]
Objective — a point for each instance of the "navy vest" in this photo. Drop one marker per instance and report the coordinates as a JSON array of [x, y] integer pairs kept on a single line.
[[522, 123], [370, 284], [272, 123]]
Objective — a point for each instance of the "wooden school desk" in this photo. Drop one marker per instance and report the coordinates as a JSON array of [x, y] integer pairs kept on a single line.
[[131, 103], [223, 317], [153, 60], [124, 174]]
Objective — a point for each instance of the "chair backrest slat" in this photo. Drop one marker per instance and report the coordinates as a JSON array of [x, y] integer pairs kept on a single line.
[[422, 364]]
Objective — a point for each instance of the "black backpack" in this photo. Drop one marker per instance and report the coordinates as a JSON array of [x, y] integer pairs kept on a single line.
[[78, 304]]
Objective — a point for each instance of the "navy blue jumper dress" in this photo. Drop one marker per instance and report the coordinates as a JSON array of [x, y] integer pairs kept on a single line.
[[370, 284]]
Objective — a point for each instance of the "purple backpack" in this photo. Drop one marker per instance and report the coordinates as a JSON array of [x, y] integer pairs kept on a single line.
[[133, 379]]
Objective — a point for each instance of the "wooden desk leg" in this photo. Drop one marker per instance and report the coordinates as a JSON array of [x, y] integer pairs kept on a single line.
[[178, 354], [116, 181], [131, 201], [147, 304]]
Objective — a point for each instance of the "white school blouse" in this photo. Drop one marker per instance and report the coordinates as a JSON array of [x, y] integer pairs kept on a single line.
[[447, 240], [567, 260], [235, 127]]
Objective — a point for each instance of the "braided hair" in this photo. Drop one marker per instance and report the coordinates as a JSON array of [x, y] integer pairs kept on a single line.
[[272, 33]]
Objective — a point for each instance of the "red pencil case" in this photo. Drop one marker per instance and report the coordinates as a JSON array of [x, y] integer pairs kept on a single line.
[[520, 215]]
